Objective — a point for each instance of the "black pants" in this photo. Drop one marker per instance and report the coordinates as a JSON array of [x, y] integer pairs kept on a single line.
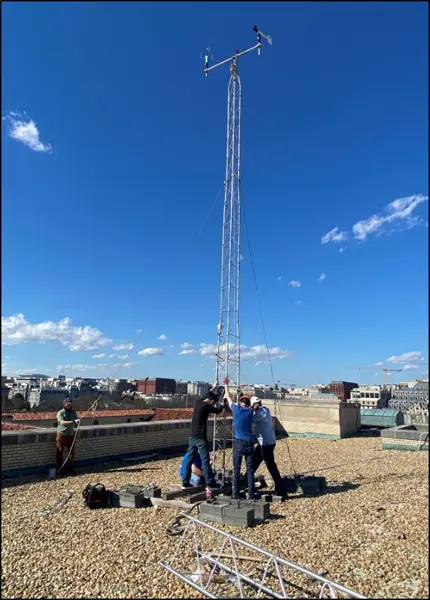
[[243, 449], [266, 453], [198, 445]]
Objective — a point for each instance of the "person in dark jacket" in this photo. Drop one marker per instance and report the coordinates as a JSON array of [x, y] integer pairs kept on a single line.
[[198, 444]]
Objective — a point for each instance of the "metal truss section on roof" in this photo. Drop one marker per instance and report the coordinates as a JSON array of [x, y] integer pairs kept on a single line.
[[221, 565]]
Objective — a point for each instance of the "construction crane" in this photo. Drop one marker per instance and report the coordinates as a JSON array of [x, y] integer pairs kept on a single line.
[[228, 330], [385, 369]]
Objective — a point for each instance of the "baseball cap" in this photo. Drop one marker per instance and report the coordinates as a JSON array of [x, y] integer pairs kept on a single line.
[[255, 400]]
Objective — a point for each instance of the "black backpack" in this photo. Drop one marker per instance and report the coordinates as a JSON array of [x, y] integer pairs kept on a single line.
[[95, 496]]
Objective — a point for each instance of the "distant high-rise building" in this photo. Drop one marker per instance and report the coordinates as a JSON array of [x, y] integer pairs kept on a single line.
[[342, 389], [156, 385]]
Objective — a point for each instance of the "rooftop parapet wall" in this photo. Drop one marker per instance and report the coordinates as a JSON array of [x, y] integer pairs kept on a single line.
[[34, 451], [304, 416]]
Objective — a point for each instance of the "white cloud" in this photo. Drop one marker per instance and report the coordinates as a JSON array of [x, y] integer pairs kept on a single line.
[[407, 357], [186, 345], [151, 352], [126, 365], [342, 249], [241, 258], [334, 235], [379, 364], [17, 330], [322, 277], [279, 278], [111, 356], [79, 367], [122, 356], [139, 330], [297, 302], [247, 352], [162, 337], [258, 363], [119, 347], [408, 367], [99, 355], [397, 213], [294, 284], [185, 352], [24, 130]]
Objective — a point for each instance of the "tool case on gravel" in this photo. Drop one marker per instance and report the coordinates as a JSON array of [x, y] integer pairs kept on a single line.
[[134, 496]]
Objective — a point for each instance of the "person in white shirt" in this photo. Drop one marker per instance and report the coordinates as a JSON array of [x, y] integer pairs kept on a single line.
[[266, 442]]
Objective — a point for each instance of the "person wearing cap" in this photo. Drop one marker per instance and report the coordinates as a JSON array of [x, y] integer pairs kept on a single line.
[[243, 443], [266, 442], [197, 443], [67, 420]]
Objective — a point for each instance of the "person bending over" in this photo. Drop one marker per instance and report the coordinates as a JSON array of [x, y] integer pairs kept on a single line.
[[197, 444], [266, 442], [243, 445], [197, 477]]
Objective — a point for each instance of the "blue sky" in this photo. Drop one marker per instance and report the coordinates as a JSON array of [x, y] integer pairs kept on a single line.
[[113, 152]]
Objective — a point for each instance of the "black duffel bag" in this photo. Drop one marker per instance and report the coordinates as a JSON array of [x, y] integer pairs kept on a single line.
[[95, 496]]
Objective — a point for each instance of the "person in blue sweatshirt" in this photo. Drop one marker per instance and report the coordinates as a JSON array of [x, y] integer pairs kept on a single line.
[[266, 442], [243, 445], [197, 476]]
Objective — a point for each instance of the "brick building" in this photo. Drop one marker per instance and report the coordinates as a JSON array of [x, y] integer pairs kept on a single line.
[[156, 385], [342, 389]]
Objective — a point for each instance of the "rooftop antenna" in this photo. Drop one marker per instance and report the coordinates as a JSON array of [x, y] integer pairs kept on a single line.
[[228, 331]]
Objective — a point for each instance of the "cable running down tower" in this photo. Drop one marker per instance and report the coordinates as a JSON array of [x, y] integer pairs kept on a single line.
[[228, 331]]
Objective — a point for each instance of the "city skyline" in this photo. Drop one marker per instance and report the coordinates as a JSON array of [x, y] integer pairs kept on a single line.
[[113, 165]]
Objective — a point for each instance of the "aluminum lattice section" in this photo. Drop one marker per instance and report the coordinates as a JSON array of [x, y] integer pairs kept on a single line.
[[220, 565]]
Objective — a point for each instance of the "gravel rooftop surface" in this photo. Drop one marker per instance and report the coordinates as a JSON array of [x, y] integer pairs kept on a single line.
[[372, 536]]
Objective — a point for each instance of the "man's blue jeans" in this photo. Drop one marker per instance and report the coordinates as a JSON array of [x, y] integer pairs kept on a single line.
[[241, 448], [198, 445]]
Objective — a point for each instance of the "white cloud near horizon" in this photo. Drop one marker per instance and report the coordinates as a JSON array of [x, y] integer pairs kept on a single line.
[[17, 330], [162, 337], [408, 367], [126, 365], [294, 283], [248, 352], [397, 213], [407, 357], [322, 277], [186, 352], [23, 129], [119, 347], [151, 352], [102, 355], [79, 367], [334, 235]]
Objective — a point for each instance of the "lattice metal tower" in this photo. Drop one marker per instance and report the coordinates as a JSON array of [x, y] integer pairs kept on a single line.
[[228, 331]]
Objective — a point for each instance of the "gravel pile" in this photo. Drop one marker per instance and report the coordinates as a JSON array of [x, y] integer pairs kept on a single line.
[[370, 531]]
